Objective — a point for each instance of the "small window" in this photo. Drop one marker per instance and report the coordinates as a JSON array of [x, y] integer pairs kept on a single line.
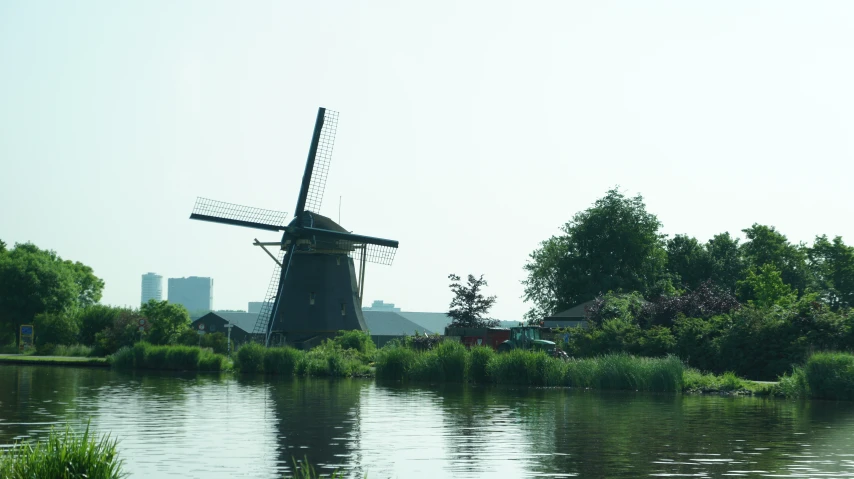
[[311, 298], [343, 310]]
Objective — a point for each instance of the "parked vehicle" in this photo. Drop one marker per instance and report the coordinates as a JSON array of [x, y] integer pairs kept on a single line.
[[503, 339], [491, 337]]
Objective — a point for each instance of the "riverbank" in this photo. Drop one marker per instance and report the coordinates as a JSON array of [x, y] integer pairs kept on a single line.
[[54, 360]]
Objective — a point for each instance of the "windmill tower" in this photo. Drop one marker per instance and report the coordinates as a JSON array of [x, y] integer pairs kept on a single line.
[[315, 291]]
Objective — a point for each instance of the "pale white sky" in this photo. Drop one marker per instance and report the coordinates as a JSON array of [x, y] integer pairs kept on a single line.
[[469, 131]]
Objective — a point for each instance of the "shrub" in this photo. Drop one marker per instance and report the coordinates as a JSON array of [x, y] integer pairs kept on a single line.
[[250, 358], [210, 361], [532, 368], [625, 372], [63, 455], [75, 350], [453, 361], [356, 340], [182, 358], [123, 358]]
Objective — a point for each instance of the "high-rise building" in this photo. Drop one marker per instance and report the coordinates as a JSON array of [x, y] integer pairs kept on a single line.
[[152, 287], [255, 306], [195, 293]]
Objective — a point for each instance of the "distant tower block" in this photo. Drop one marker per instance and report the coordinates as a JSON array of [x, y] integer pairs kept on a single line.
[[194, 293], [152, 287]]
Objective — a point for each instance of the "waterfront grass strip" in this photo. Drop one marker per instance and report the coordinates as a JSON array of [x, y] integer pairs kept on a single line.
[[53, 361], [176, 358], [63, 455]]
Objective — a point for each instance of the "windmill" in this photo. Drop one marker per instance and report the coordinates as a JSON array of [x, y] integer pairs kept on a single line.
[[314, 291]]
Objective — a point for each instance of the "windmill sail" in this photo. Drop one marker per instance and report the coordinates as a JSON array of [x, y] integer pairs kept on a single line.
[[262, 324], [317, 164], [239, 215]]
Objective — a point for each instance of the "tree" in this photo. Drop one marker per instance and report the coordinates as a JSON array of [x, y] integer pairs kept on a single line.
[[615, 245], [89, 286], [2, 246], [764, 287], [725, 261], [832, 265], [95, 319], [122, 332], [688, 261], [167, 321], [32, 281], [766, 245], [469, 306], [55, 328]]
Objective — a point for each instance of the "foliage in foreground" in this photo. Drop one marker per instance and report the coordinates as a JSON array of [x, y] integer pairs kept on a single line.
[[180, 358], [347, 355], [63, 456], [826, 375]]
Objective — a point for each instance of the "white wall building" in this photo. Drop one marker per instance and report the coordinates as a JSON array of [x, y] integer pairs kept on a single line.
[[152, 287]]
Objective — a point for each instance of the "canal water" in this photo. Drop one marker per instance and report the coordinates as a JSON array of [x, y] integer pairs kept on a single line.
[[203, 426]]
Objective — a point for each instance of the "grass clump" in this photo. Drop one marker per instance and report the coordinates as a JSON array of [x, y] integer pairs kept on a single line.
[[394, 362], [694, 380], [479, 357], [282, 361], [176, 358], [830, 375], [63, 456], [531, 368], [250, 358]]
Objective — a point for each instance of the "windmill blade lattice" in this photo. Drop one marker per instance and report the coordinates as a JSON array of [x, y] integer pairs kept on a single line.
[[265, 316], [230, 213], [322, 159], [373, 253]]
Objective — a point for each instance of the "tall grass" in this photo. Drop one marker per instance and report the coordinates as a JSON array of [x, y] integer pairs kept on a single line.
[[479, 357], [177, 358], [394, 362], [74, 350], [327, 360], [63, 456], [830, 375]]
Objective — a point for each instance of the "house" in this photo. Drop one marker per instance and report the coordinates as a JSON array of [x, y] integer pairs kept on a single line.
[[574, 317], [241, 332], [384, 326]]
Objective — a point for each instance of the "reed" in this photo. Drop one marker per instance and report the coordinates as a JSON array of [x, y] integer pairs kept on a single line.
[[250, 358], [830, 375], [530, 368], [282, 361], [65, 455], [394, 362], [479, 358], [178, 358]]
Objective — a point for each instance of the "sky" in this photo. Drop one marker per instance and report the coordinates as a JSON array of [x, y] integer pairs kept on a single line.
[[468, 131]]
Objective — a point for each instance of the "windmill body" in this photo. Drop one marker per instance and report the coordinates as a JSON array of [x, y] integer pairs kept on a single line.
[[315, 291]]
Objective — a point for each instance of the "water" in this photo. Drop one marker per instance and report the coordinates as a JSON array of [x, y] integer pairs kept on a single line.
[[223, 427]]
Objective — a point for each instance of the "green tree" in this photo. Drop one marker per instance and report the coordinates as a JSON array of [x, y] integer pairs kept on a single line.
[[95, 319], [766, 245], [832, 264], [688, 261], [764, 287], [124, 331], [726, 263], [55, 328], [166, 321], [32, 281], [89, 286], [469, 306], [2, 246], [615, 245]]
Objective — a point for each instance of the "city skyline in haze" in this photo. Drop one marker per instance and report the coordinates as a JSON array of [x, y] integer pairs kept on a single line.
[[470, 132]]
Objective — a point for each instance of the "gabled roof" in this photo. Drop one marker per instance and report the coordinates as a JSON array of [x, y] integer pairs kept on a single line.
[[244, 321], [390, 323], [578, 311]]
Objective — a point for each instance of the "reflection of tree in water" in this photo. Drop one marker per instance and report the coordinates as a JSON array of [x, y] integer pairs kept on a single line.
[[317, 418], [610, 434]]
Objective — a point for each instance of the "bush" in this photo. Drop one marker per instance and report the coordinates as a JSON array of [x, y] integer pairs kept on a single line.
[[453, 360], [356, 340], [250, 358], [625, 372], [64, 455], [830, 375], [75, 350]]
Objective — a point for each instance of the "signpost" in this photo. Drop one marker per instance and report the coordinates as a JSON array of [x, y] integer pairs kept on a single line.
[[229, 326], [26, 337], [201, 333]]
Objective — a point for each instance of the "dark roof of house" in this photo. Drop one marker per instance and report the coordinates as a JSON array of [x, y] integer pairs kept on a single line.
[[391, 323], [244, 321], [578, 311]]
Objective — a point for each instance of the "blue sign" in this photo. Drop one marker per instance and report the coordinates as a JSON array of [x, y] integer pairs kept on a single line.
[[26, 330]]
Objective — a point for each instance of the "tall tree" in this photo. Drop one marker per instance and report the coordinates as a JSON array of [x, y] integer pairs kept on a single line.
[[832, 264], [612, 246], [88, 285], [2, 247], [766, 245], [688, 261], [167, 321], [726, 262], [469, 307], [32, 281]]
